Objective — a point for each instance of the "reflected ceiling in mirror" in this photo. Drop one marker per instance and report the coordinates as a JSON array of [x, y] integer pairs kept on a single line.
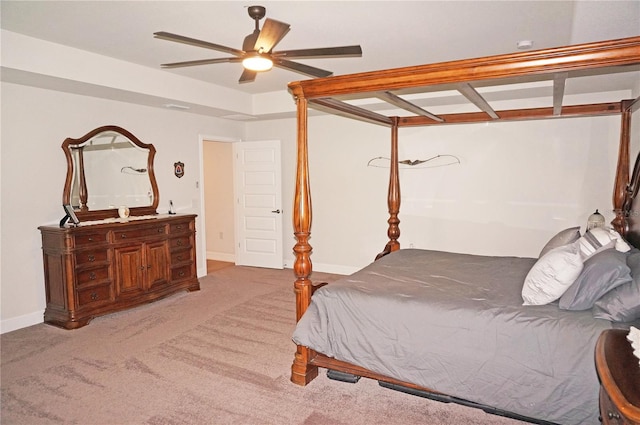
[[106, 169]]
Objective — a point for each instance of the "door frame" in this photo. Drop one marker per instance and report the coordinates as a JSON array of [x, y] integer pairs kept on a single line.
[[201, 228]]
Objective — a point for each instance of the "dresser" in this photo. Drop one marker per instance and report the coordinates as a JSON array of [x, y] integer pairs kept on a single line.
[[619, 373], [109, 265]]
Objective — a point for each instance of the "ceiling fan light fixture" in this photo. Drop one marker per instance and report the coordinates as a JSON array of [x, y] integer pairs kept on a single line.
[[257, 62]]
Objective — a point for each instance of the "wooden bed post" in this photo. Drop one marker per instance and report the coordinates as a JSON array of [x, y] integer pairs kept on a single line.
[[301, 371], [622, 171], [393, 197]]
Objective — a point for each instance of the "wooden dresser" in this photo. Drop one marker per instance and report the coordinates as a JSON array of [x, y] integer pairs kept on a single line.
[[115, 264], [619, 374]]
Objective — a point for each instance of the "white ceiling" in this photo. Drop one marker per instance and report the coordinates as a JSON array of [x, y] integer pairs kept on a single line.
[[391, 33]]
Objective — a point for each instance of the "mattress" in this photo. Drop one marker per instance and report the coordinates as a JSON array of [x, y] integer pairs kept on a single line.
[[455, 323]]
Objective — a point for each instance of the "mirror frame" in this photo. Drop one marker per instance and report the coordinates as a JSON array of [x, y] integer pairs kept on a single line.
[[84, 214]]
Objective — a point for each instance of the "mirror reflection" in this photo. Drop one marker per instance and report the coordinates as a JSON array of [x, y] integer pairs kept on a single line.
[[109, 168], [115, 171]]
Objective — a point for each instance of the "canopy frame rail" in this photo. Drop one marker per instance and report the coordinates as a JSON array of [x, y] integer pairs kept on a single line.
[[474, 97]]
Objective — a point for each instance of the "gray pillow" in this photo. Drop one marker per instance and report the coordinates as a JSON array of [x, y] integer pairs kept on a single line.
[[601, 273], [563, 237], [622, 304]]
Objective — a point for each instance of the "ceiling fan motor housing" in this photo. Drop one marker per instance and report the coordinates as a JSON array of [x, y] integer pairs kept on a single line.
[[257, 12]]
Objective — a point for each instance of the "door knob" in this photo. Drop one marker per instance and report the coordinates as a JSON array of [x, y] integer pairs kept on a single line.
[[276, 211]]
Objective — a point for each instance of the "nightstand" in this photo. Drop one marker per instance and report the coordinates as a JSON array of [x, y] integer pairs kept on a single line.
[[619, 373]]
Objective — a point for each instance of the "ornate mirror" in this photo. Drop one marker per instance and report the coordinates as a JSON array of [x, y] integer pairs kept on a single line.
[[108, 168]]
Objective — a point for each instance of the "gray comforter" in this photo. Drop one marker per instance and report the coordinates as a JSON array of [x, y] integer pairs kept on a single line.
[[455, 323]]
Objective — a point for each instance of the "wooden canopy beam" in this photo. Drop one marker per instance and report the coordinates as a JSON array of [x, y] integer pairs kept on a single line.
[[406, 105], [337, 107], [590, 56], [516, 115]]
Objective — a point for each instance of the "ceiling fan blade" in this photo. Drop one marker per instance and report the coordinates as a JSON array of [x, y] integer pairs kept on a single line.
[[198, 43], [250, 41], [342, 51], [199, 62], [301, 68], [247, 76], [271, 33]]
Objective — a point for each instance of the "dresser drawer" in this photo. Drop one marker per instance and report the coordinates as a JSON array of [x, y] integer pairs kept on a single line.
[[184, 272], [183, 256], [92, 276], [92, 238], [180, 227], [180, 243], [139, 232], [95, 295], [97, 256]]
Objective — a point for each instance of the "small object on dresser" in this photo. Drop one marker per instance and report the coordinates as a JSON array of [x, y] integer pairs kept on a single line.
[[69, 214], [595, 220], [123, 211], [171, 210]]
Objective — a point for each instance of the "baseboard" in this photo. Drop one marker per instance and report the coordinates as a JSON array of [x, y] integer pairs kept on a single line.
[[20, 322], [221, 256]]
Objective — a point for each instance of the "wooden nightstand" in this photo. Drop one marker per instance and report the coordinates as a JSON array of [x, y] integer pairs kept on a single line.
[[619, 374]]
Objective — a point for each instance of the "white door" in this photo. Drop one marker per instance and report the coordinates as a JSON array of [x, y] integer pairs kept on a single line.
[[258, 192]]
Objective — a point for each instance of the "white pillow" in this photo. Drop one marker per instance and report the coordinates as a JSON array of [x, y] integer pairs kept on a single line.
[[552, 274], [599, 238]]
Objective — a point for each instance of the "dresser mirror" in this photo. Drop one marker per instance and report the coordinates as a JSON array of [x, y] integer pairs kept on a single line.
[[109, 168]]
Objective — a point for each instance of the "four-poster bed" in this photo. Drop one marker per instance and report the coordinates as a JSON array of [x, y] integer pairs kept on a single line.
[[332, 94]]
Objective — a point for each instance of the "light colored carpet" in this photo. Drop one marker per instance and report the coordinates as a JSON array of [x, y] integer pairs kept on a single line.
[[221, 355]]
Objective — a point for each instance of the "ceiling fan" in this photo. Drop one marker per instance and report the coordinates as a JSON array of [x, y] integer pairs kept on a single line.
[[257, 53]]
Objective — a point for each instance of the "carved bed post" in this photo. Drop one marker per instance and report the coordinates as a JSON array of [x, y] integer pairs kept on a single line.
[[622, 170], [393, 197], [301, 371]]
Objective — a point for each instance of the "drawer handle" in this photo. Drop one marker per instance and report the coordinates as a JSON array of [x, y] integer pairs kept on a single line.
[[181, 274], [179, 226], [123, 236], [149, 266], [613, 415], [94, 296], [179, 257], [90, 238], [91, 258], [92, 276], [179, 242], [160, 229]]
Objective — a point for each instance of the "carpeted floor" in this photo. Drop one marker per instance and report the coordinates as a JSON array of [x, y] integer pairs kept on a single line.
[[221, 355]]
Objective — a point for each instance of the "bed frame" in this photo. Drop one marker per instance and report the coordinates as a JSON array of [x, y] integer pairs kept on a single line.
[[556, 64]]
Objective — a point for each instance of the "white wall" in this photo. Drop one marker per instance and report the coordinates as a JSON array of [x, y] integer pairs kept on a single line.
[[517, 185], [34, 124]]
